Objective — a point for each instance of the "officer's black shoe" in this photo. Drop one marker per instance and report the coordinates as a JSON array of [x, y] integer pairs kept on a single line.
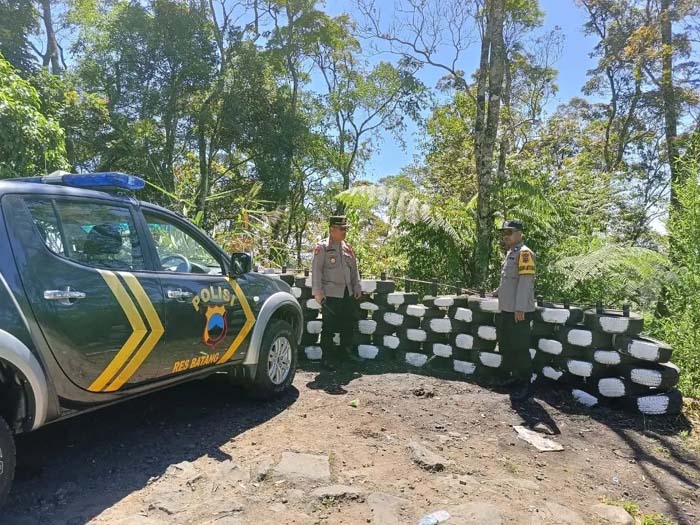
[[522, 391]]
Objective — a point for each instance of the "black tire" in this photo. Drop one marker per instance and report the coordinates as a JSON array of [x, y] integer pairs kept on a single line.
[[618, 387], [441, 325], [584, 338], [556, 374], [667, 404], [444, 350], [487, 305], [7, 460], [585, 369], [608, 357], [370, 286], [262, 386], [555, 313], [460, 313], [614, 322], [389, 317], [397, 298], [661, 376], [425, 312], [643, 348], [449, 301]]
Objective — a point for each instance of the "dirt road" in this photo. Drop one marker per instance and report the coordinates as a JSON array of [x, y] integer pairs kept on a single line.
[[412, 445]]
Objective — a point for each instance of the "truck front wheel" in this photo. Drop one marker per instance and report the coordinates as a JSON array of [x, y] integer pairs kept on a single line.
[[277, 361]]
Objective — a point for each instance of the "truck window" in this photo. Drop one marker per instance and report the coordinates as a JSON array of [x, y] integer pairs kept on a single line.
[[90, 233], [176, 248]]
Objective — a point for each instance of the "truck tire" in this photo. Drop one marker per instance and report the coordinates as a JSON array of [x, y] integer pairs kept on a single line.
[[277, 363], [7, 460]]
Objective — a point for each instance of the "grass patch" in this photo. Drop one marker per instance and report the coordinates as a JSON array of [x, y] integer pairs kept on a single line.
[[632, 507], [653, 518], [643, 518]]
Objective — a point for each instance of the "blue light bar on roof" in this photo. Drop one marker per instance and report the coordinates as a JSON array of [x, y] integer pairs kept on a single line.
[[99, 181]]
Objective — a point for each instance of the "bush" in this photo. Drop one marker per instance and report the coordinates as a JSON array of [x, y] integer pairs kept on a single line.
[[681, 328]]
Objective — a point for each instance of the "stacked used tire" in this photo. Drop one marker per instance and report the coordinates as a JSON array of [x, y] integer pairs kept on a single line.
[[366, 342], [602, 358], [599, 356]]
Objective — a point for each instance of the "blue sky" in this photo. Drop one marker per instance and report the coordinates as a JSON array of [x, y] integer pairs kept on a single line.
[[572, 66]]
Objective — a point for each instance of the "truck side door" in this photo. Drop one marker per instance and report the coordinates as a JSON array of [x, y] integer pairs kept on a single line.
[[83, 269], [208, 317]]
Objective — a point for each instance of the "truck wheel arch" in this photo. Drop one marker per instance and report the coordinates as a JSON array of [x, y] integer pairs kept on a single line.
[[30, 373], [280, 305]]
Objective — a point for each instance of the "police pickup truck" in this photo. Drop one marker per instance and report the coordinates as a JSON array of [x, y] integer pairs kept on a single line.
[[104, 297]]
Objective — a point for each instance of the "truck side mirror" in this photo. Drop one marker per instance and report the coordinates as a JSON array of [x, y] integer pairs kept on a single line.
[[241, 263]]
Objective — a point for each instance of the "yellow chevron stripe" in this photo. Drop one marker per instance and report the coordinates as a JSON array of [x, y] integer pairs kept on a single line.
[[247, 327], [151, 341], [137, 326]]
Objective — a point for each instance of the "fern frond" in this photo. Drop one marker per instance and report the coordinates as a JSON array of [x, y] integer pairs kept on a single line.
[[633, 265]]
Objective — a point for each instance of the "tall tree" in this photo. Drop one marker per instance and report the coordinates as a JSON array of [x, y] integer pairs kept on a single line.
[[18, 21], [488, 104], [30, 142], [361, 103]]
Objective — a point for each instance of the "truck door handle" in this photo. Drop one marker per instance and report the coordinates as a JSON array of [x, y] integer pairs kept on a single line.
[[64, 297], [179, 294]]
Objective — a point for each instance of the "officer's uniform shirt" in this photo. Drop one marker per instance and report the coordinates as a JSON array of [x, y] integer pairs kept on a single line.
[[516, 292], [334, 269]]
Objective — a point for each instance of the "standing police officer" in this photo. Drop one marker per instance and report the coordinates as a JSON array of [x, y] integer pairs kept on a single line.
[[335, 284], [516, 298]]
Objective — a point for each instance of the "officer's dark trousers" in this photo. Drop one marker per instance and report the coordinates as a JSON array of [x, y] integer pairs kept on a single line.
[[339, 316], [514, 345]]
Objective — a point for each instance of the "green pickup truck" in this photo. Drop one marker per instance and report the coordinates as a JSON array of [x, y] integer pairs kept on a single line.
[[104, 297]]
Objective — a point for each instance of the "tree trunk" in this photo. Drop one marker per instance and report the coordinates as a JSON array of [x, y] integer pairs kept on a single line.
[[203, 174], [482, 81], [484, 161], [504, 145], [668, 96], [52, 55]]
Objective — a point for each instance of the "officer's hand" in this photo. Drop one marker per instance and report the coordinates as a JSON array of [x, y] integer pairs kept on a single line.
[[357, 295], [519, 316], [320, 297]]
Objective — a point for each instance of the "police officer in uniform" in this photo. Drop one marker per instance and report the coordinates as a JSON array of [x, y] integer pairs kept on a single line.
[[516, 297], [335, 284]]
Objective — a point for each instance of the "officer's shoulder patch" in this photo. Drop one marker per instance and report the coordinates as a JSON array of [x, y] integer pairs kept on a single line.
[[526, 262], [318, 249]]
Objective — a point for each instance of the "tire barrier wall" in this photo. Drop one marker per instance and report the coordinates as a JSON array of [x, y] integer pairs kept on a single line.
[[598, 355]]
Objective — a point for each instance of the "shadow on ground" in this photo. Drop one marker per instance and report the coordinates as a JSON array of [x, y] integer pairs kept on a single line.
[[654, 443], [108, 454]]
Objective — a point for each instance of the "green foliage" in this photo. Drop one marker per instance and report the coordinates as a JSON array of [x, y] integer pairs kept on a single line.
[[681, 328], [30, 142], [18, 20], [83, 116], [613, 274]]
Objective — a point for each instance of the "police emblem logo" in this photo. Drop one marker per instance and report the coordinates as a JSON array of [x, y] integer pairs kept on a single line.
[[333, 259], [216, 326]]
